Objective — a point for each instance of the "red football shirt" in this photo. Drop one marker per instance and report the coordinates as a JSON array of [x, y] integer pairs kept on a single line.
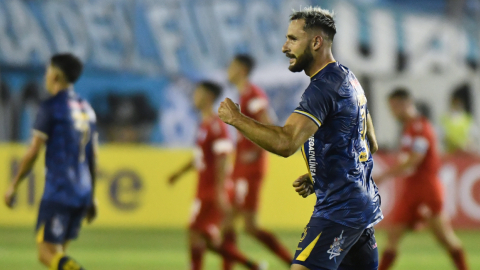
[[253, 102], [419, 136], [212, 142]]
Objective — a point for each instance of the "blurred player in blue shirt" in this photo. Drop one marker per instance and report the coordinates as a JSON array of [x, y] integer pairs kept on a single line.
[[66, 125], [333, 128]]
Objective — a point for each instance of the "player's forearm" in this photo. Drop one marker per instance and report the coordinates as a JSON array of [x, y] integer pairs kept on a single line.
[[26, 166], [271, 138]]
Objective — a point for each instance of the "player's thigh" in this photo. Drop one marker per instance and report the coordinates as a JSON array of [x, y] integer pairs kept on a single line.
[[196, 238], [434, 201], [250, 219], [443, 231], [230, 218], [363, 255], [324, 244], [52, 223]]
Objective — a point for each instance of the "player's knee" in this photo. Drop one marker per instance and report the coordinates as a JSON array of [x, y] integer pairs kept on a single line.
[[445, 242], [44, 255]]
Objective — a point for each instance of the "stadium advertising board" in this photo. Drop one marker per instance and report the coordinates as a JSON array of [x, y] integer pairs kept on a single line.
[[132, 189]]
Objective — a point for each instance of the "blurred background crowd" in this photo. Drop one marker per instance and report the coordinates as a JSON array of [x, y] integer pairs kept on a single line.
[[143, 58]]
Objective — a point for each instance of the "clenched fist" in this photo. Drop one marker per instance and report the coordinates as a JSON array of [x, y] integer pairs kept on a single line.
[[228, 111], [303, 185]]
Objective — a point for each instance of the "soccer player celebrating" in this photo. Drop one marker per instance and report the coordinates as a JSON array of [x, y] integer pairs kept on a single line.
[[210, 160], [66, 125], [331, 125], [250, 159], [423, 197]]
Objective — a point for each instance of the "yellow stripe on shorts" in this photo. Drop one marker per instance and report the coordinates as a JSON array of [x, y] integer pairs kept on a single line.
[[306, 252], [40, 234]]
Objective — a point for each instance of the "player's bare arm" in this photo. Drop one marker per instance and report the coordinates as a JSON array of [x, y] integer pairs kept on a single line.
[[26, 166], [283, 141], [303, 185], [92, 165], [253, 155], [186, 168], [408, 164], [372, 139]]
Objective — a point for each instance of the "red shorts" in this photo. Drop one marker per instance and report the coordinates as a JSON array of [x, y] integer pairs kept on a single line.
[[206, 218], [416, 203], [246, 193]]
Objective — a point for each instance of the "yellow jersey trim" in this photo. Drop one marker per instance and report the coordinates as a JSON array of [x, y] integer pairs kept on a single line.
[[40, 234], [306, 162], [309, 116], [322, 68], [306, 252]]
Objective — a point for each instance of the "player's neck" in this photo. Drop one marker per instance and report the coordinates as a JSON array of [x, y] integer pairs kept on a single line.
[[323, 60], [242, 86], [207, 114], [412, 114], [60, 87]]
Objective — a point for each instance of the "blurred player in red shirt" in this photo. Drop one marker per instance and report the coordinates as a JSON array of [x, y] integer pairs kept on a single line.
[[250, 162], [423, 198], [210, 160]]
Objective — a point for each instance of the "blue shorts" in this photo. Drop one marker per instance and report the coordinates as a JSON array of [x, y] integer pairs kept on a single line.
[[326, 245], [58, 223]]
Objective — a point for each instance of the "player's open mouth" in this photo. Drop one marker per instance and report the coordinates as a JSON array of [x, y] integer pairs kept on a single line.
[[292, 58]]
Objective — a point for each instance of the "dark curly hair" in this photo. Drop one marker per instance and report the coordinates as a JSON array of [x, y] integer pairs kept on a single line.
[[316, 17]]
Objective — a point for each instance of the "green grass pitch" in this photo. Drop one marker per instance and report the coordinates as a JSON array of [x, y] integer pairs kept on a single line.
[[115, 249]]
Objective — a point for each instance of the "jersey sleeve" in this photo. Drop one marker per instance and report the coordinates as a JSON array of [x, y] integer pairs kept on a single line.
[[43, 123], [317, 102]]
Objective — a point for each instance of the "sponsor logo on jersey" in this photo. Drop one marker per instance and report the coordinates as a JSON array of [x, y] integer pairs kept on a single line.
[[312, 162], [336, 247]]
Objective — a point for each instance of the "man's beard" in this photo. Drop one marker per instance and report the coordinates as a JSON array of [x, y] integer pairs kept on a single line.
[[302, 62]]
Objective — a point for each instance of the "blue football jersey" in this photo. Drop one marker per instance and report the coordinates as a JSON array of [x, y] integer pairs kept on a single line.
[[337, 155], [67, 122]]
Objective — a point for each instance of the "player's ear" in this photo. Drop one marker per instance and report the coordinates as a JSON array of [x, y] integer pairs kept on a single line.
[[56, 78], [317, 42]]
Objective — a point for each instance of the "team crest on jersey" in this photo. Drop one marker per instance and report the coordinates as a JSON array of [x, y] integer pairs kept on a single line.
[[336, 247]]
